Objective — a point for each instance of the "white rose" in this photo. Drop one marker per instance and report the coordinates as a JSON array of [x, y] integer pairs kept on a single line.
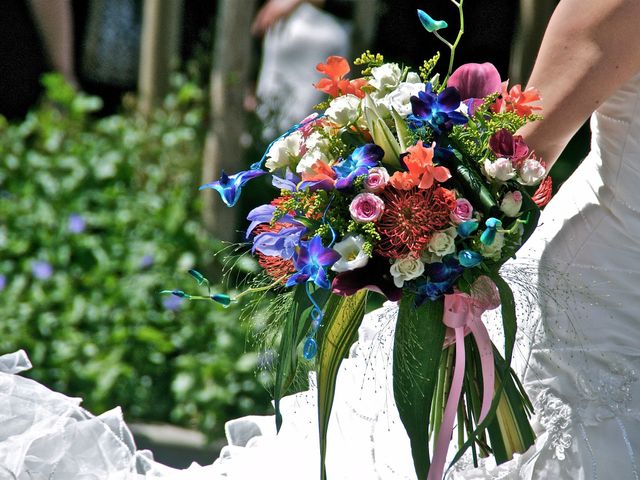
[[284, 151], [511, 203], [405, 269], [400, 98], [531, 172], [385, 77], [501, 169], [413, 77], [317, 141], [309, 159], [493, 251], [344, 110], [443, 243], [352, 254]]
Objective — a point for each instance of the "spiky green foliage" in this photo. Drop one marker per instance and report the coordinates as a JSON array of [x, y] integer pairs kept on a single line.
[[427, 67], [368, 61]]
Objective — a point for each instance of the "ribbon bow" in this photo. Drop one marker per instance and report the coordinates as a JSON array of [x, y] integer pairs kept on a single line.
[[463, 314]]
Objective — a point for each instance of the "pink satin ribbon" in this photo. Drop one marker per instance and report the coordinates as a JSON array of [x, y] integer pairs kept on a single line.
[[463, 313]]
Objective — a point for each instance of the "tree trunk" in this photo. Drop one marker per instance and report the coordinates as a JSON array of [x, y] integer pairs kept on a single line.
[[534, 16], [159, 46], [229, 76], [365, 21]]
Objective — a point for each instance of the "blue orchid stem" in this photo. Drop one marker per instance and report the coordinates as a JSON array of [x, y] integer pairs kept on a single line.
[[454, 45], [310, 347], [258, 165], [234, 299], [324, 221]]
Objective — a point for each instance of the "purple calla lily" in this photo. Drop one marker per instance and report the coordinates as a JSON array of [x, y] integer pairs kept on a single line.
[[374, 276], [311, 261], [230, 186], [438, 111], [475, 80], [358, 163]]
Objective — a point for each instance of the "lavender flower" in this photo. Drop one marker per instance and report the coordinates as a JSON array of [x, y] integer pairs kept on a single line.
[[172, 303], [41, 270], [3, 282], [146, 261], [76, 223]]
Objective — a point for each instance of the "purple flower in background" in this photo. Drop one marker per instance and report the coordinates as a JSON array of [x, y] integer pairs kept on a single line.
[[76, 223], [437, 110], [146, 261], [230, 186], [172, 303], [41, 270], [3, 282], [358, 163], [311, 262]]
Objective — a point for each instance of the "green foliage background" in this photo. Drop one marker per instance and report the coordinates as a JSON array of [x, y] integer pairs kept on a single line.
[[98, 328]]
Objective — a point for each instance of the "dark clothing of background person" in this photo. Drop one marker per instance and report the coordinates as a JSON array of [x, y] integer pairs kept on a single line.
[[22, 60]]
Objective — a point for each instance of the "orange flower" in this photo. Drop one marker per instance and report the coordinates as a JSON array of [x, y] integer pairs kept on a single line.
[[336, 68], [517, 100], [322, 175], [422, 172]]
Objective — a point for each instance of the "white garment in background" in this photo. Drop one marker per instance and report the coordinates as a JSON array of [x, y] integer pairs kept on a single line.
[[579, 360], [291, 50]]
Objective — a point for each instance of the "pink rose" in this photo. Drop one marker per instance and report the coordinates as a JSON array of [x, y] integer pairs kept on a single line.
[[366, 207], [377, 179], [462, 212]]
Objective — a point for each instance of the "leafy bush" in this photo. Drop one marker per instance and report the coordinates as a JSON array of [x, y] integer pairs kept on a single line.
[[98, 216]]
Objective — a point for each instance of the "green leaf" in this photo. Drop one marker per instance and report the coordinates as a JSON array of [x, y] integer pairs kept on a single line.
[[404, 134], [287, 351], [342, 319], [417, 353]]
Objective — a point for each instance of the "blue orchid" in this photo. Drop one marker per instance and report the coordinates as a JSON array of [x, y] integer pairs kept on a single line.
[[438, 111], [279, 244], [441, 277], [311, 261], [358, 163], [289, 182], [230, 186], [264, 214]]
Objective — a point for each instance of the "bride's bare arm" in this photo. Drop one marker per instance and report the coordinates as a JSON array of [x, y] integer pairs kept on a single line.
[[590, 48]]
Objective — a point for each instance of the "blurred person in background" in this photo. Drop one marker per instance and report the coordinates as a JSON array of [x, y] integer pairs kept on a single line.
[[297, 35]]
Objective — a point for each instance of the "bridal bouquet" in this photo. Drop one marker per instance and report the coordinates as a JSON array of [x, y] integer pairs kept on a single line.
[[418, 188]]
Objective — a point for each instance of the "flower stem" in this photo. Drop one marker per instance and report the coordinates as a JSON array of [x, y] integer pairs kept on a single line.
[[455, 44]]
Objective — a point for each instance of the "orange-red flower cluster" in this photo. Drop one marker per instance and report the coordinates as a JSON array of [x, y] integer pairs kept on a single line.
[[336, 68], [523, 102], [422, 172]]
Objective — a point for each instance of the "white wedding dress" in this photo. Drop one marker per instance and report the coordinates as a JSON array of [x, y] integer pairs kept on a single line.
[[577, 283]]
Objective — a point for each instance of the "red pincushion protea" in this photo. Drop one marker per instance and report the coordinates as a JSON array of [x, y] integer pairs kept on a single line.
[[276, 267], [410, 219]]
